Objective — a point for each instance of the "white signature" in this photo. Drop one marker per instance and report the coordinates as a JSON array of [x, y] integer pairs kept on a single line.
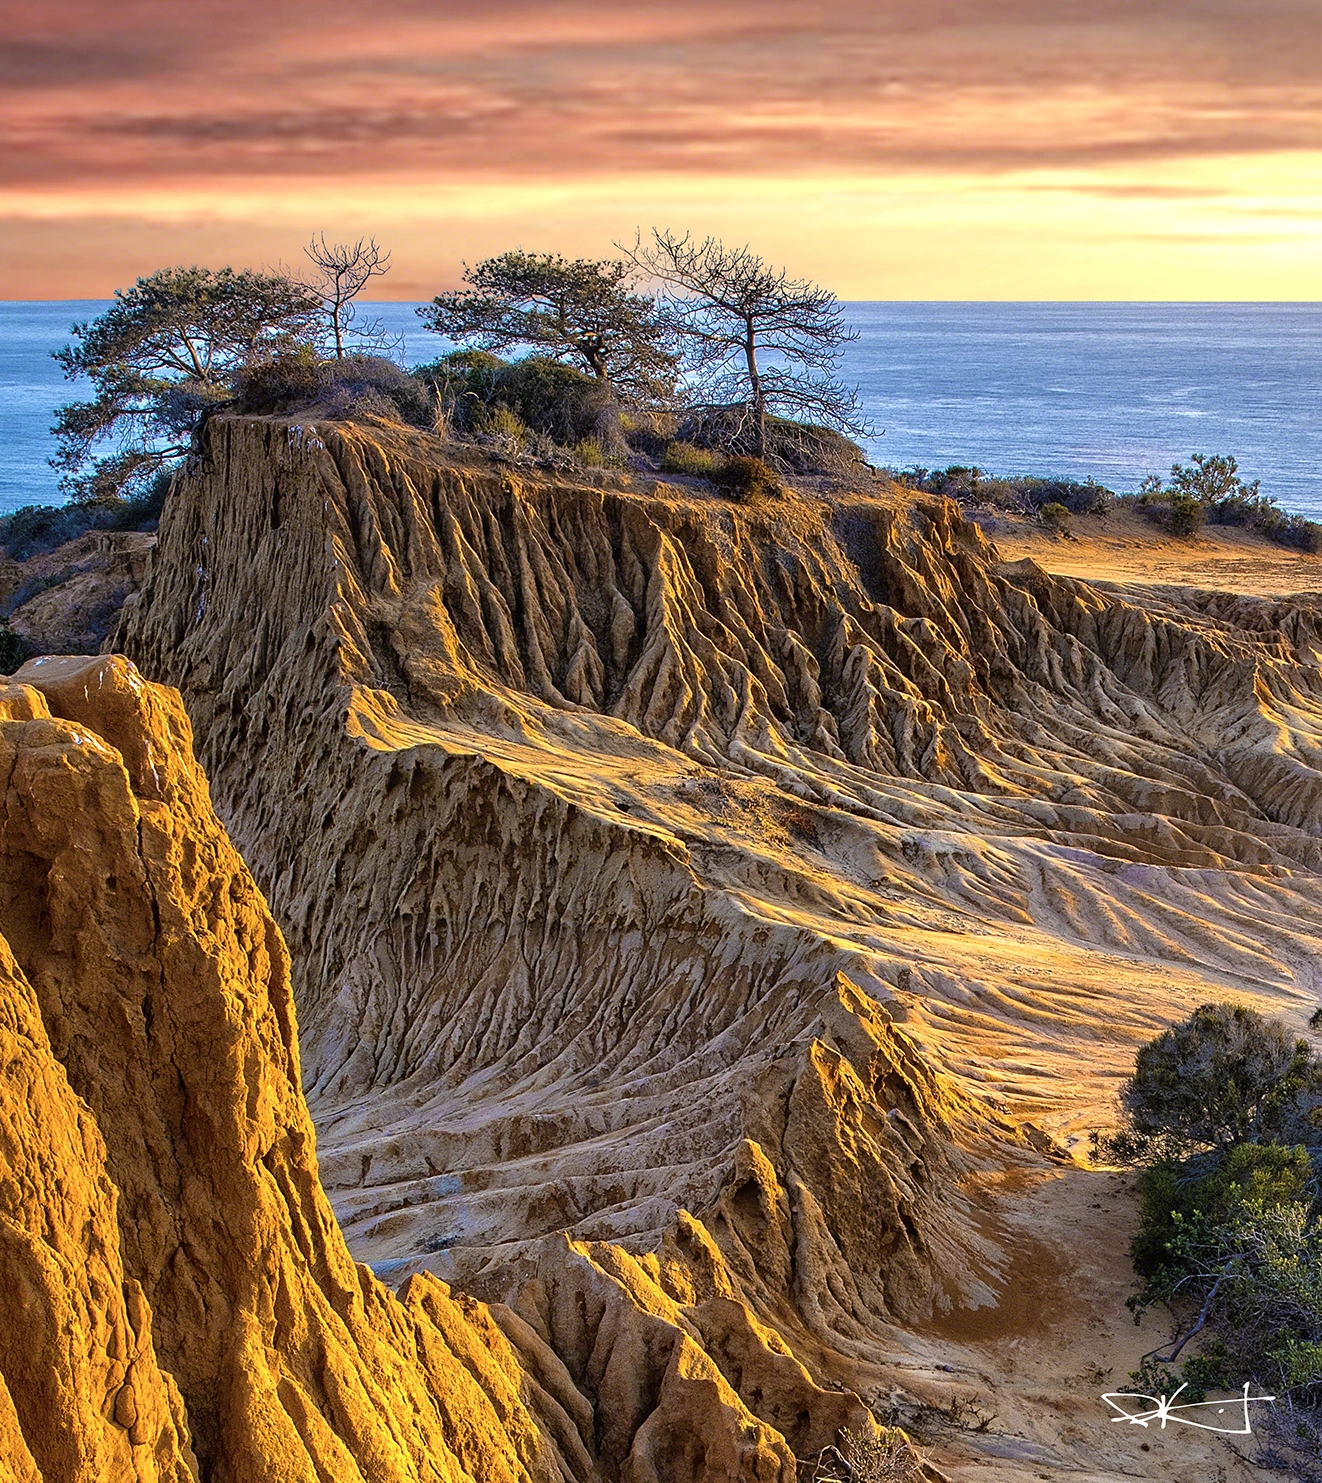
[[1164, 1409]]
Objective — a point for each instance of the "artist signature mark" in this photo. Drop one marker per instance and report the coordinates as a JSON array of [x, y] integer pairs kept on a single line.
[[1199, 1414]]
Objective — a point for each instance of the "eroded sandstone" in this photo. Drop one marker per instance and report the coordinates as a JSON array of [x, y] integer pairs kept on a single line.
[[737, 893], [178, 1300]]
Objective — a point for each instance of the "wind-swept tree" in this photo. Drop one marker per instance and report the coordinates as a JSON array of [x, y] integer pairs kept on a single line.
[[164, 353], [344, 269], [752, 335], [583, 313]]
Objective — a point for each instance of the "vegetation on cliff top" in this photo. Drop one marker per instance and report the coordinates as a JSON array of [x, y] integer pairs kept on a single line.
[[604, 357], [1207, 490]]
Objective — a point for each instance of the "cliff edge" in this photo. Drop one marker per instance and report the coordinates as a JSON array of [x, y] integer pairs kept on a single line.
[[176, 1299], [725, 910]]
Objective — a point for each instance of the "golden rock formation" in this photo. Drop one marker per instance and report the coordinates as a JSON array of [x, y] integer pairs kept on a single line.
[[176, 1299], [696, 910]]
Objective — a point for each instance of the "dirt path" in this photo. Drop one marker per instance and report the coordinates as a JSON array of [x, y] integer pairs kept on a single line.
[[1125, 549], [1039, 1362]]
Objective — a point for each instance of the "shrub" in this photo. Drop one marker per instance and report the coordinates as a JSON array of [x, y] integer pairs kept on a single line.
[[592, 455], [278, 382], [886, 1458], [1170, 1196], [1211, 477], [500, 423], [354, 385], [1184, 516], [1252, 1269], [36, 529], [745, 479], [648, 430], [795, 447], [1228, 1237], [686, 458], [1056, 518], [373, 384], [1209, 488], [1025, 495], [13, 650], [548, 398], [1225, 1075], [559, 402]]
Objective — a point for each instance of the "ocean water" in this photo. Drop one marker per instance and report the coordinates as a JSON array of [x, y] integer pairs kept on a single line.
[[1104, 391]]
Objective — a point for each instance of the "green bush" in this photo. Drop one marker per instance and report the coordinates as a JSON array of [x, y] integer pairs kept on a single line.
[[559, 402], [13, 650], [36, 529], [500, 422], [1228, 1235], [1210, 488], [1251, 1269], [687, 459], [298, 380], [970, 485], [1185, 516], [548, 398], [1170, 1196], [593, 454], [1226, 1075], [1055, 517], [1210, 477]]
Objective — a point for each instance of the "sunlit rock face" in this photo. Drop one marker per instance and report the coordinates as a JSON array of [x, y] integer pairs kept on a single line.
[[727, 890], [178, 1302]]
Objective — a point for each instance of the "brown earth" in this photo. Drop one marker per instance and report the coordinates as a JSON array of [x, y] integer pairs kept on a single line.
[[745, 909], [66, 601], [1124, 549], [715, 931]]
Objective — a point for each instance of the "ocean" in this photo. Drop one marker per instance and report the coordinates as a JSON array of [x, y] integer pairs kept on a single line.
[[1104, 391]]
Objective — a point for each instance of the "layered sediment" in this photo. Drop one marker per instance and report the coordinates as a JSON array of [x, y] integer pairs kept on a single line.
[[693, 907], [176, 1299]]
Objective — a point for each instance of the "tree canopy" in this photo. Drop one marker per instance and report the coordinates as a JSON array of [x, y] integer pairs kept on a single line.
[[579, 311], [1224, 1076], [751, 334], [1210, 477], [165, 352]]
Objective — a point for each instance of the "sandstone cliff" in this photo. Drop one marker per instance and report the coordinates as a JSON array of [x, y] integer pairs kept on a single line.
[[695, 910], [176, 1299], [65, 601]]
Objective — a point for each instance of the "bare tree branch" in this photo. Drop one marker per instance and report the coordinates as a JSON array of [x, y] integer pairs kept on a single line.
[[343, 271], [729, 309]]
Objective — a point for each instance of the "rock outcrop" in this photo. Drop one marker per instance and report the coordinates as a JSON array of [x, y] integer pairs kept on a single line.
[[176, 1299], [691, 906], [65, 601]]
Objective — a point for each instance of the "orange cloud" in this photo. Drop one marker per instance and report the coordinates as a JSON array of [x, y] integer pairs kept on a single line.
[[102, 104]]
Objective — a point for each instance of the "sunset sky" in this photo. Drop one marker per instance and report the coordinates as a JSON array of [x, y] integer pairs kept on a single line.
[[951, 149]]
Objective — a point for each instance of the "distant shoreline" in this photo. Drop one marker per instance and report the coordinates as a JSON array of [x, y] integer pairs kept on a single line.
[[1111, 390]]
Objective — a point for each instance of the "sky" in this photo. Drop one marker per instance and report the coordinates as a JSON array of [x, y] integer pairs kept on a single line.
[[892, 149]]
